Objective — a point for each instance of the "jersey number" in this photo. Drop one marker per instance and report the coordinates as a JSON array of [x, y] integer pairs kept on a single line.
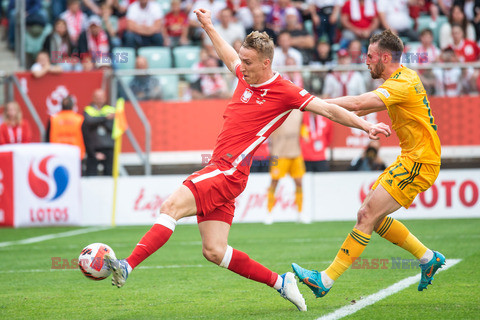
[[400, 173], [425, 101]]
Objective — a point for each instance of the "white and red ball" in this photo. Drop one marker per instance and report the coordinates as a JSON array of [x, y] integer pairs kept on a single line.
[[92, 263]]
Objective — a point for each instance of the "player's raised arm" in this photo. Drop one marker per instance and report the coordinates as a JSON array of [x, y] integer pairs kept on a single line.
[[342, 116], [362, 105], [225, 51]]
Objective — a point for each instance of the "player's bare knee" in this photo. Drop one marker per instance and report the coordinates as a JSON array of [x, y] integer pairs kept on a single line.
[[213, 254], [364, 216], [169, 208]]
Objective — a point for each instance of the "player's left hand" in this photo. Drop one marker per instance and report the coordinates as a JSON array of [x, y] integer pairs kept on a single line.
[[379, 128], [204, 17]]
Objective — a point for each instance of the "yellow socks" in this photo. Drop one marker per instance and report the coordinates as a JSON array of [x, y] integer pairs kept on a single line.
[[351, 249], [270, 199], [395, 232], [299, 198]]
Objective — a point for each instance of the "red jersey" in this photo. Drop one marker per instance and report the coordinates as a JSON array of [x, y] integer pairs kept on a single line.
[[365, 21], [319, 137], [17, 134], [175, 23], [254, 112], [466, 51]]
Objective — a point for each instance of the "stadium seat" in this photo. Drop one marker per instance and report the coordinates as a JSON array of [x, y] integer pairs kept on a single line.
[[123, 52], [424, 22], [169, 84], [309, 27], [186, 56], [165, 5], [157, 57]]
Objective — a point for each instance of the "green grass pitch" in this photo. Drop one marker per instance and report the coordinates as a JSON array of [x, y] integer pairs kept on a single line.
[[178, 283]]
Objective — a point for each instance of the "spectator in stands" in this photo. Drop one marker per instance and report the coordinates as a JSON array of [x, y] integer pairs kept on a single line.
[[355, 51], [97, 134], [66, 126], [42, 66], [120, 7], [369, 161], [325, 15], [76, 20], [456, 17], [59, 46], [259, 24], [395, 15], [285, 50], [448, 80], [277, 18], [209, 86], [227, 28], [322, 54], [145, 87], [87, 63], [56, 8], [293, 76], [476, 18], [94, 40], [316, 137], [144, 24], [34, 16], [359, 19], [214, 6], [445, 6], [343, 83], [176, 25], [244, 14], [428, 52], [110, 24], [92, 7], [14, 128], [301, 39], [466, 50]]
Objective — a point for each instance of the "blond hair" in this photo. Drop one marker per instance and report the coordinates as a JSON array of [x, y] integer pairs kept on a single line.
[[261, 43], [17, 118]]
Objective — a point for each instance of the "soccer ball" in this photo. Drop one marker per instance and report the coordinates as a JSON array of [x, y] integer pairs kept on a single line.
[[92, 263]]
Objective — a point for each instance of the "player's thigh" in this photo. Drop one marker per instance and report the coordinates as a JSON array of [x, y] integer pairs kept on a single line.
[[279, 170], [297, 167], [405, 179], [214, 234], [180, 203], [378, 204]]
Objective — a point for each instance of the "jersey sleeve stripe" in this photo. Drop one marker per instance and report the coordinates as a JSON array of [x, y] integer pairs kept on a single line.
[[304, 105]]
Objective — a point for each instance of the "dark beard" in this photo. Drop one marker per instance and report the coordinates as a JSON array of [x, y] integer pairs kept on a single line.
[[376, 73]]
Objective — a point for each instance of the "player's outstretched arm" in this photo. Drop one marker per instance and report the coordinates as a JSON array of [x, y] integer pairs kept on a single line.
[[362, 105], [342, 116], [225, 51]]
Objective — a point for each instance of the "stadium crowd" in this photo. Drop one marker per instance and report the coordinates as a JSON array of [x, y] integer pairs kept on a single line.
[[89, 34]]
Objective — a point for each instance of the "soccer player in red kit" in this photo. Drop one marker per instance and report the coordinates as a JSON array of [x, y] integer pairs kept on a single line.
[[260, 104]]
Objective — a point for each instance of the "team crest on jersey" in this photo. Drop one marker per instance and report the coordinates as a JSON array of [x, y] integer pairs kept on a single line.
[[247, 94]]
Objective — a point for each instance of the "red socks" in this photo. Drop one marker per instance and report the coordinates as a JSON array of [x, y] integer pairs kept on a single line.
[[240, 263], [153, 240]]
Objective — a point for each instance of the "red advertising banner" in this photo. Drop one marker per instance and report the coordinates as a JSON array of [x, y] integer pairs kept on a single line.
[[185, 126], [6, 189], [47, 92]]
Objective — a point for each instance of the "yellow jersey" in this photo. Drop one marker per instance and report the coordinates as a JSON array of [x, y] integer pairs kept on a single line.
[[412, 119]]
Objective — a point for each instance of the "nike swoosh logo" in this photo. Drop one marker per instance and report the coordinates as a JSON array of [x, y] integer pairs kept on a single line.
[[307, 282], [429, 274]]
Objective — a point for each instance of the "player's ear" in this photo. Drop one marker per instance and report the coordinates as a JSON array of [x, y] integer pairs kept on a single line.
[[266, 63]]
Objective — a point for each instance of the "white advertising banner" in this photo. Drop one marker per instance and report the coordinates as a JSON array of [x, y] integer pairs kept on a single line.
[[327, 196], [46, 184]]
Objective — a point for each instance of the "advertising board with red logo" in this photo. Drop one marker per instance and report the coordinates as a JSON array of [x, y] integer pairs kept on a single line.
[[42, 186]]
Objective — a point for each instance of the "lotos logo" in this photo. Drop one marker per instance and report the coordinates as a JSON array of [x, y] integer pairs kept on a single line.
[[364, 190], [48, 180]]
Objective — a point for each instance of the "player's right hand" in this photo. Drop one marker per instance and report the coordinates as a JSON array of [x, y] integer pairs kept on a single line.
[[204, 17]]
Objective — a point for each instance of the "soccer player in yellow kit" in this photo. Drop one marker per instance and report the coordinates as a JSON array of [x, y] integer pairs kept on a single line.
[[414, 171]]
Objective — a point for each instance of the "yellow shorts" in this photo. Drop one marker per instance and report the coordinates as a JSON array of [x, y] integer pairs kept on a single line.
[[404, 179], [294, 167]]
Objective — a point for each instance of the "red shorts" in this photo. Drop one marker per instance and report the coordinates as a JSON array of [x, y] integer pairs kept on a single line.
[[215, 190]]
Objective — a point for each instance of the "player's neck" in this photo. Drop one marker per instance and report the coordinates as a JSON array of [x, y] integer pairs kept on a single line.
[[389, 70], [267, 76]]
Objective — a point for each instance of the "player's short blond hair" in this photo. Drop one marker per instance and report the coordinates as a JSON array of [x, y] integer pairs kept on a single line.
[[260, 42]]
